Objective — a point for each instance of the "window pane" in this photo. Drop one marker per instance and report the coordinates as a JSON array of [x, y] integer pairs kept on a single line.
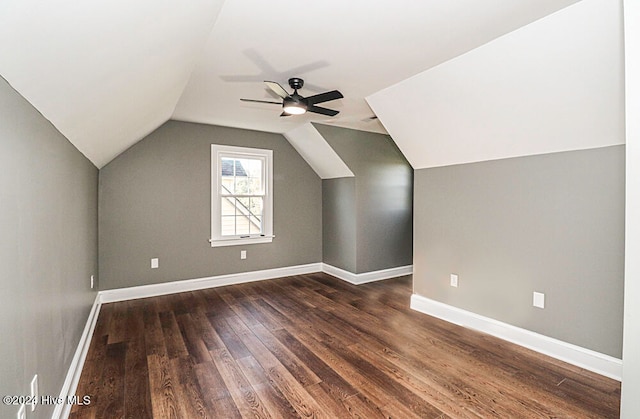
[[227, 206], [241, 176], [255, 206], [254, 176], [228, 225], [240, 185], [241, 215], [255, 216], [256, 224], [227, 169], [242, 205]]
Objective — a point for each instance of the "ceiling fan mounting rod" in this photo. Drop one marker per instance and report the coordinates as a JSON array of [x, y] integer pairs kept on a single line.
[[296, 83]]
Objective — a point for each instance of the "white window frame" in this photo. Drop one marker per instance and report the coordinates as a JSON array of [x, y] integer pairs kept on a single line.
[[217, 153]]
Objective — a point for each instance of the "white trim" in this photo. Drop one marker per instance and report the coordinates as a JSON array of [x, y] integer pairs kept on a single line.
[[70, 384], [152, 290], [241, 241], [365, 277], [585, 358], [629, 401], [219, 151]]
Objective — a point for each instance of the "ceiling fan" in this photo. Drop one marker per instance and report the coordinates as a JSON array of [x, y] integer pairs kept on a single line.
[[295, 104]]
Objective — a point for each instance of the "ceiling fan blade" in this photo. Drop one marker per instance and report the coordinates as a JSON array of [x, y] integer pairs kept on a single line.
[[284, 114], [261, 101], [323, 97], [351, 119], [277, 89], [322, 111]]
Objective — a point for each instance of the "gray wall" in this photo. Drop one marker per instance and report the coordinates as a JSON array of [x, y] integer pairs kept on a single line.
[[48, 250], [339, 219], [381, 199], [155, 201], [551, 223]]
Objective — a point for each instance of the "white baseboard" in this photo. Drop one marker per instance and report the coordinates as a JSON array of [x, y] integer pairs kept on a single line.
[[70, 384], [152, 290], [365, 277], [585, 358]]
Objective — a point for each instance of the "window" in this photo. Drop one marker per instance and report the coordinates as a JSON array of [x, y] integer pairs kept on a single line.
[[241, 195]]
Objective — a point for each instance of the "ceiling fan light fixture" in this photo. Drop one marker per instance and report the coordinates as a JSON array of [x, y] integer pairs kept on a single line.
[[292, 106], [294, 110]]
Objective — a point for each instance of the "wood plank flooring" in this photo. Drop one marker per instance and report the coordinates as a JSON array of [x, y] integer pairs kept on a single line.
[[315, 346]]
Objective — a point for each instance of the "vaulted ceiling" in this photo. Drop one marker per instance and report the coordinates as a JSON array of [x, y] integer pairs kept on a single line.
[[108, 73]]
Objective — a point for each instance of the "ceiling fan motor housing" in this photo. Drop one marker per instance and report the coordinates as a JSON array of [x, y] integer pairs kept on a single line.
[[294, 101]]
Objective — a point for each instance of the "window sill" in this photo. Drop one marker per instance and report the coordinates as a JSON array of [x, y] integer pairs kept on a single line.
[[240, 242]]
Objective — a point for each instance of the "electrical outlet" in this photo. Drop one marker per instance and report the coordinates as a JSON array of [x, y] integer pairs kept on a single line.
[[154, 263], [538, 299], [22, 412], [454, 280], [92, 282], [34, 389], [243, 254]]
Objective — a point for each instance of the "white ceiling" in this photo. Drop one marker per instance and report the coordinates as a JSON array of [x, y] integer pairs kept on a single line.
[[108, 73], [554, 85], [105, 73]]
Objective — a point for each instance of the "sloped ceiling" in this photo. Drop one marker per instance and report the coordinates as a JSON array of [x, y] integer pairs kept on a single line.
[[539, 89], [105, 73], [108, 73]]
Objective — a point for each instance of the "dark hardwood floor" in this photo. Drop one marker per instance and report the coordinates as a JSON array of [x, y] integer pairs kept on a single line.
[[315, 346]]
